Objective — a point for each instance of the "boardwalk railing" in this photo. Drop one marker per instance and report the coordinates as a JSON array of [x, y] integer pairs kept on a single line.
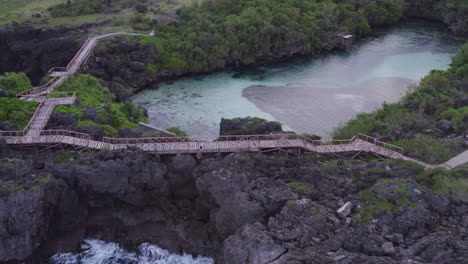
[[78, 53], [38, 90], [42, 90], [379, 143], [275, 137], [67, 133], [131, 141], [61, 94], [62, 71]]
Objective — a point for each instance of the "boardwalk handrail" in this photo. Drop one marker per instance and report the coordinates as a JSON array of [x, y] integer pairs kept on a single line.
[[379, 143], [68, 133], [57, 69], [38, 89], [276, 137], [149, 140], [62, 94], [77, 54]]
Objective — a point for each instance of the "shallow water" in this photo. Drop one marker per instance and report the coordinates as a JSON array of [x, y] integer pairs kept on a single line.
[[101, 252], [313, 95]]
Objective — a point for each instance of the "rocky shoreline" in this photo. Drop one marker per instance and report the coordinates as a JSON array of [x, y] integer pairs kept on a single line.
[[240, 208]]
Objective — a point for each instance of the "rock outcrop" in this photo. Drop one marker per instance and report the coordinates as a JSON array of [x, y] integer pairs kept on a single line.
[[35, 51], [248, 126], [238, 208]]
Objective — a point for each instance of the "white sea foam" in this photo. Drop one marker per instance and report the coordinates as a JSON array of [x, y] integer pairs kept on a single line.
[[102, 252]]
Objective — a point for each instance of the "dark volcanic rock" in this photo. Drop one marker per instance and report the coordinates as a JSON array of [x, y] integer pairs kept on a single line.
[[137, 66], [252, 244], [444, 125], [35, 51], [238, 208], [25, 218]]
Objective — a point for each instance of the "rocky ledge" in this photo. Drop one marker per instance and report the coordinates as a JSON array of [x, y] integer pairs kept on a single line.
[[240, 208]]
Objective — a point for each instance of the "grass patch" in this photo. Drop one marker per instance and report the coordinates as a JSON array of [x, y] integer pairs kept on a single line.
[[8, 164], [177, 131], [14, 111], [298, 186], [429, 148], [375, 203], [329, 166], [63, 156], [111, 116], [452, 183], [58, 12]]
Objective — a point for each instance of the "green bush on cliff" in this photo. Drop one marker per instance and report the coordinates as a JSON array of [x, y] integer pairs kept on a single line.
[[15, 83], [14, 111], [411, 123], [177, 131], [79, 7], [88, 89], [111, 116], [453, 183], [216, 33], [451, 12]]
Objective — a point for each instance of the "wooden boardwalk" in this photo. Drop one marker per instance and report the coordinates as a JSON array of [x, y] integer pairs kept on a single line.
[[34, 133], [186, 145]]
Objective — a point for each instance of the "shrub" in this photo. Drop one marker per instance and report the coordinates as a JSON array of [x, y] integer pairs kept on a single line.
[[443, 182], [458, 117], [15, 83], [177, 131], [429, 148], [151, 68], [298, 186], [17, 112]]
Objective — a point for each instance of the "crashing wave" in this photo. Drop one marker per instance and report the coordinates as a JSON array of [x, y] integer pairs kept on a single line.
[[102, 252]]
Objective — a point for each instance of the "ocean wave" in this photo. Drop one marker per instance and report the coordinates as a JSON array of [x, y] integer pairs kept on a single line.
[[101, 252]]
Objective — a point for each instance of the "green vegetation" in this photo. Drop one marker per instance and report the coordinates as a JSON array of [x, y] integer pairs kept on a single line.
[[298, 186], [216, 33], [13, 111], [411, 123], [329, 166], [453, 183], [177, 131], [63, 156], [51, 13], [375, 202], [83, 7], [15, 83], [249, 126], [451, 12], [430, 148], [316, 212], [9, 187], [16, 112], [109, 115], [7, 164]]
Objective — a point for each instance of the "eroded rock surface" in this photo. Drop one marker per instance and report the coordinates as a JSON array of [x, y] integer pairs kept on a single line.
[[239, 208]]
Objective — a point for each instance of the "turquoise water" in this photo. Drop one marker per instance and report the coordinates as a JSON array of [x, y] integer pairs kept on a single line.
[[313, 95]]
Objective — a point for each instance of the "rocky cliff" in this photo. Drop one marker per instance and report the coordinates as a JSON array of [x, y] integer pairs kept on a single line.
[[35, 51], [239, 208]]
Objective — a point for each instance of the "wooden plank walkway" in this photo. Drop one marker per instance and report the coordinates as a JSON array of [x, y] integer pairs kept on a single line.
[[40, 119], [35, 133], [357, 145]]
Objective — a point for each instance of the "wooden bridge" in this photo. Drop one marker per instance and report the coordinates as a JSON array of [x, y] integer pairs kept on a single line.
[[224, 144], [35, 135]]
